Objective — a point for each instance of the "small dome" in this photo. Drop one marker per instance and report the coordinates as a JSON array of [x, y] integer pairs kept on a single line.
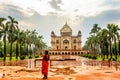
[[52, 33], [79, 33]]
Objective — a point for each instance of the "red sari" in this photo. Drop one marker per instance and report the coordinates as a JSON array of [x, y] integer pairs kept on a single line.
[[45, 64]]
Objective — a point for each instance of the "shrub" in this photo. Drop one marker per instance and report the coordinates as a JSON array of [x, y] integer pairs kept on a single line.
[[36, 56], [23, 51], [94, 57], [30, 57], [114, 59], [22, 57], [89, 56], [1, 54]]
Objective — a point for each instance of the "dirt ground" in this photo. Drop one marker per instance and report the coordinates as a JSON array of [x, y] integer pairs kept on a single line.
[[80, 73], [64, 70]]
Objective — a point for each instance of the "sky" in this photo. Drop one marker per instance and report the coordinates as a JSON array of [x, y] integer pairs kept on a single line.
[[50, 15]]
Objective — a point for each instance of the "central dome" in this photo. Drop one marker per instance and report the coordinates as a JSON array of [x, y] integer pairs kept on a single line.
[[66, 28]]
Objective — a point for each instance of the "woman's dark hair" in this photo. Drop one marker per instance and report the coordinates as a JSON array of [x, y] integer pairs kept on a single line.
[[46, 58], [46, 52]]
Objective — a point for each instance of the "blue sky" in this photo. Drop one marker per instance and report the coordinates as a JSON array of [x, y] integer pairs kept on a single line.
[[50, 15]]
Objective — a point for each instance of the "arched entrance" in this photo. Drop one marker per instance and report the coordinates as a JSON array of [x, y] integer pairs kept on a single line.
[[66, 44]]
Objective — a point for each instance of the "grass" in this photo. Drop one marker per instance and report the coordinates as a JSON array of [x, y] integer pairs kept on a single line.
[[8, 59], [90, 56], [13, 58], [100, 58]]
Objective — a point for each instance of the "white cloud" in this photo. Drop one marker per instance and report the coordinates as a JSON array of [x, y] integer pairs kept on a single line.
[[83, 8], [1, 8], [73, 11], [25, 25], [76, 10], [28, 7]]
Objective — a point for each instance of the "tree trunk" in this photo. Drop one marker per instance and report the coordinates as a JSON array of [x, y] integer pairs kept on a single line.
[[119, 47], [107, 52], [4, 50], [11, 51], [115, 53], [115, 48], [110, 50], [20, 48], [17, 52]]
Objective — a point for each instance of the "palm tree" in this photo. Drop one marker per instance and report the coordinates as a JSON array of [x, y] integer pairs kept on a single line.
[[38, 42], [1, 54], [90, 43], [31, 39], [103, 41], [119, 46], [3, 33], [110, 33], [17, 37], [95, 31], [115, 29], [22, 38], [27, 40], [12, 27]]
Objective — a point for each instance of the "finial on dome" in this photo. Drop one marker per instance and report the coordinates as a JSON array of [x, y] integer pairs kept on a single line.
[[66, 23]]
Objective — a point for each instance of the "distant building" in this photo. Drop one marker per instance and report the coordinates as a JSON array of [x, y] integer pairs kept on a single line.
[[66, 43]]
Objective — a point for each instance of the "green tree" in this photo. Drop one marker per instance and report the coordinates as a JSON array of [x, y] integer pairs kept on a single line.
[[1, 54], [103, 41], [119, 47], [31, 40], [3, 33], [22, 38], [17, 38], [115, 29], [11, 33], [110, 33], [94, 32]]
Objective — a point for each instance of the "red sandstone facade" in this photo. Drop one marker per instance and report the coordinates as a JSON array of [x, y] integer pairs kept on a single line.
[[66, 44]]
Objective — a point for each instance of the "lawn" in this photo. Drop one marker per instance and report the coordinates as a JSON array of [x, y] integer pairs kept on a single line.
[[13, 58], [113, 57]]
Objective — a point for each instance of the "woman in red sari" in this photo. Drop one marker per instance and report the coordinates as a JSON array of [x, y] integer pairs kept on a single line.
[[45, 65]]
